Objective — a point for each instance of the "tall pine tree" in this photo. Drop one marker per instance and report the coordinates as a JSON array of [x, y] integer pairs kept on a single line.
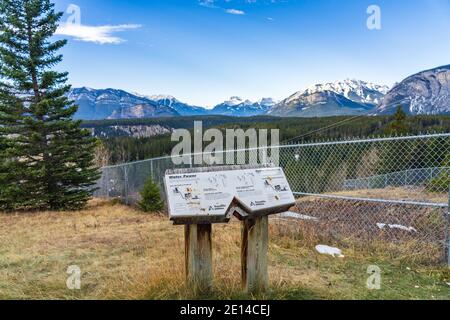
[[399, 124], [46, 159]]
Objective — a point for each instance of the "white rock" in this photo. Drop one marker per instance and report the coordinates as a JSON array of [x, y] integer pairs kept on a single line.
[[335, 252]]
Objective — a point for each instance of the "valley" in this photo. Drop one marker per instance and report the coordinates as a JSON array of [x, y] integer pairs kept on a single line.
[[123, 147]]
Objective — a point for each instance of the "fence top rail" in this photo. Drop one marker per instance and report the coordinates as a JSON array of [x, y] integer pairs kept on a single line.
[[368, 140], [304, 145]]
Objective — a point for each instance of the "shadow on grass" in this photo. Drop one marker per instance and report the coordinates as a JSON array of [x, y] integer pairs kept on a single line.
[[217, 294]]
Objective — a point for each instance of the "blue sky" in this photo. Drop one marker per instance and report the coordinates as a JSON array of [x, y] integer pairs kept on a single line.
[[204, 51]]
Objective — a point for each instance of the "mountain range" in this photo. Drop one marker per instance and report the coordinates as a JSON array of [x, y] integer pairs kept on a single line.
[[243, 108], [427, 92], [348, 97], [115, 104]]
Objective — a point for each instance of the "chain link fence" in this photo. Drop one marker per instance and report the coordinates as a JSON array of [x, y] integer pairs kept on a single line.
[[391, 194], [380, 191]]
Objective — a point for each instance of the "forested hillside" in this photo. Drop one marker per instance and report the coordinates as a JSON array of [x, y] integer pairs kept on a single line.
[[292, 130]]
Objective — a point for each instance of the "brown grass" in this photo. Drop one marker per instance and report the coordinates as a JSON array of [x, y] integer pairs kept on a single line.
[[124, 254]]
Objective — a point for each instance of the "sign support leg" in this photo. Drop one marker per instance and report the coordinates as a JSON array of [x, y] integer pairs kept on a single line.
[[198, 256], [255, 239]]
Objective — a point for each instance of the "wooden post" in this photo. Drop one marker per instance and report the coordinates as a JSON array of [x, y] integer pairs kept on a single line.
[[255, 239], [198, 255]]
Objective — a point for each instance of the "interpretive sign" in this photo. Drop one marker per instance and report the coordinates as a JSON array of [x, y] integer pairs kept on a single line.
[[212, 195], [200, 197]]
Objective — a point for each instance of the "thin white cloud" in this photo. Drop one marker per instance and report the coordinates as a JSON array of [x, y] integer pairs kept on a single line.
[[235, 11], [95, 34], [213, 4], [207, 3]]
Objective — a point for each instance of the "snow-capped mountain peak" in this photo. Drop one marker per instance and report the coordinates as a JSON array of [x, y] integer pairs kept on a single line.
[[158, 97], [268, 102], [235, 101], [346, 97], [237, 106], [354, 90]]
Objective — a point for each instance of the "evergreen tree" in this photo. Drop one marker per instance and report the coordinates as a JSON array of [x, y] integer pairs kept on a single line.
[[151, 197], [400, 123], [46, 161]]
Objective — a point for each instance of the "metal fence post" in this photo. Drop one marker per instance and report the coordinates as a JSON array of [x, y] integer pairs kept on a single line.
[[107, 182], [125, 173], [151, 170], [447, 231]]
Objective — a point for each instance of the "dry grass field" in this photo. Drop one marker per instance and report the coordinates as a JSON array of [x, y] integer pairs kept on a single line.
[[124, 254]]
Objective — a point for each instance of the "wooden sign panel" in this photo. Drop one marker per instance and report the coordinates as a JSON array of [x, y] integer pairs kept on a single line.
[[196, 196]]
